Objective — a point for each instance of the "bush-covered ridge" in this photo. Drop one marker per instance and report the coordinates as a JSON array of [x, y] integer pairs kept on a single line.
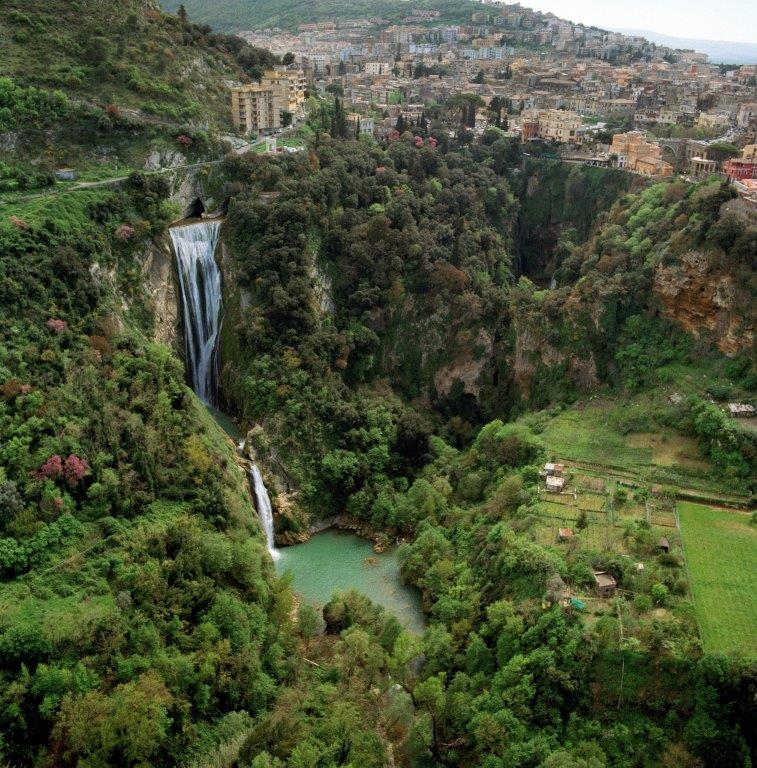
[[100, 86], [137, 594], [238, 15]]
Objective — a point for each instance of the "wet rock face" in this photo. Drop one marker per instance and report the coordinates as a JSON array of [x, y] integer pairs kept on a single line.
[[706, 300], [165, 159]]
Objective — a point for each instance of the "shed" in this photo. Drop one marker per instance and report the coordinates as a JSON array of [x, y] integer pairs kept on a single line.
[[555, 484], [551, 469], [563, 534], [604, 583], [65, 174], [664, 544], [741, 410]]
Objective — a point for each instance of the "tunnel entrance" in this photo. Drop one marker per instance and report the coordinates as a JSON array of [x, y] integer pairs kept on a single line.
[[196, 209]]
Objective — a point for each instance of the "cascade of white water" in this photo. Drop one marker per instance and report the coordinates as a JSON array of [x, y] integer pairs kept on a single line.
[[265, 510], [200, 282]]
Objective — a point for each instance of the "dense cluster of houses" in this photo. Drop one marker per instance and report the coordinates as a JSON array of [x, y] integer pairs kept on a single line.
[[539, 77]]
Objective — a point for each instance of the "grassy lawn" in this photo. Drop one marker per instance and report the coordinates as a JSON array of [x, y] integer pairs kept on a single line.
[[721, 551]]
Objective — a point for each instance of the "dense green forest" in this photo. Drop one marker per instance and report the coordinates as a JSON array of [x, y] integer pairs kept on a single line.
[[142, 620], [398, 265], [236, 15]]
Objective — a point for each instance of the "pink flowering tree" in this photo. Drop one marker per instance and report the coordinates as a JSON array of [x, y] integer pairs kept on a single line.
[[72, 469], [125, 232], [184, 140], [51, 469], [56, 325]]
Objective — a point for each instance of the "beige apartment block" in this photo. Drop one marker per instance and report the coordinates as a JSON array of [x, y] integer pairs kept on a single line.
[[288, 87], [254, 108], [556, 124]]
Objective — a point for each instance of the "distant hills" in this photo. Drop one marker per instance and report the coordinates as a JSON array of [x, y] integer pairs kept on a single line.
[[237, 15], [719, 51]]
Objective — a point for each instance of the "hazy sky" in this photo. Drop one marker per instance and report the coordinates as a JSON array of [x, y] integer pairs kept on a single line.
[[706, 19]]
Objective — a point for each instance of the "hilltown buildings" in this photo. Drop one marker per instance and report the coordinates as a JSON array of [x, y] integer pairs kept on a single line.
[[557, 82], [260, 107], [252, 109], [553, 125], [636, 154]]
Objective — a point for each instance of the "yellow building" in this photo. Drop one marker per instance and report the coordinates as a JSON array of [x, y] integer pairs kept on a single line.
[[638, 155], [254, 108], [288, 87], [556, 125]]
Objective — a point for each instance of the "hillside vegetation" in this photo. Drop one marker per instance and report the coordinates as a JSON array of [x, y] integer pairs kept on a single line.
[[390, 357], [89, 82], [375, 266], [237, 15]]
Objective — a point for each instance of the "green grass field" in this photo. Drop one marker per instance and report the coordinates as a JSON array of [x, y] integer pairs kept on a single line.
[[721, 551], [619, 439]]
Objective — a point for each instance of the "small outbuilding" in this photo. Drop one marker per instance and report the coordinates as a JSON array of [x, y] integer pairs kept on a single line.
[[555, 484], [551, 469], [741, 410], [604, 583], [663, 544], [65, 174], [563, 534]]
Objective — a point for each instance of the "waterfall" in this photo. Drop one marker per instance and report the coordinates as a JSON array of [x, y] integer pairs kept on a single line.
[[200, 281], [263, 503]]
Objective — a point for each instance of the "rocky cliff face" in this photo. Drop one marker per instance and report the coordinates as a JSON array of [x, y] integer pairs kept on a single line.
[[159, 281], [707, 301]]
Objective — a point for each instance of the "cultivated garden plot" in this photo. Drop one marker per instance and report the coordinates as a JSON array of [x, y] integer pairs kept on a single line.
[[721, 552]]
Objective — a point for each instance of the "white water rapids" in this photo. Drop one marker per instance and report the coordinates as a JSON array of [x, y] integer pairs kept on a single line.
[[200, 281]]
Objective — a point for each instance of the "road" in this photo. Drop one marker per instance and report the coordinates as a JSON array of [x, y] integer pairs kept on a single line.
[[116, 180]]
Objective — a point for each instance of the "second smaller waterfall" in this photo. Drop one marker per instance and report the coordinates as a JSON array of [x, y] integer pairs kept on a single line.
[[263, 503]]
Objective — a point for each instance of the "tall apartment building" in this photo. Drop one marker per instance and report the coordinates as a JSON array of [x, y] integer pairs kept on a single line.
[[257, 107], [379, 67], [254, 108], [288, 87]]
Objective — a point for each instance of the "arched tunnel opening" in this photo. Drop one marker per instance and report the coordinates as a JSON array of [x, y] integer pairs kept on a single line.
[[196, 209]]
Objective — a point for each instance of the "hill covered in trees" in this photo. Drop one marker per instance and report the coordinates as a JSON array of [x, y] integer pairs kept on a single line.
[[102, 83], [399, 266], [237, 15]]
